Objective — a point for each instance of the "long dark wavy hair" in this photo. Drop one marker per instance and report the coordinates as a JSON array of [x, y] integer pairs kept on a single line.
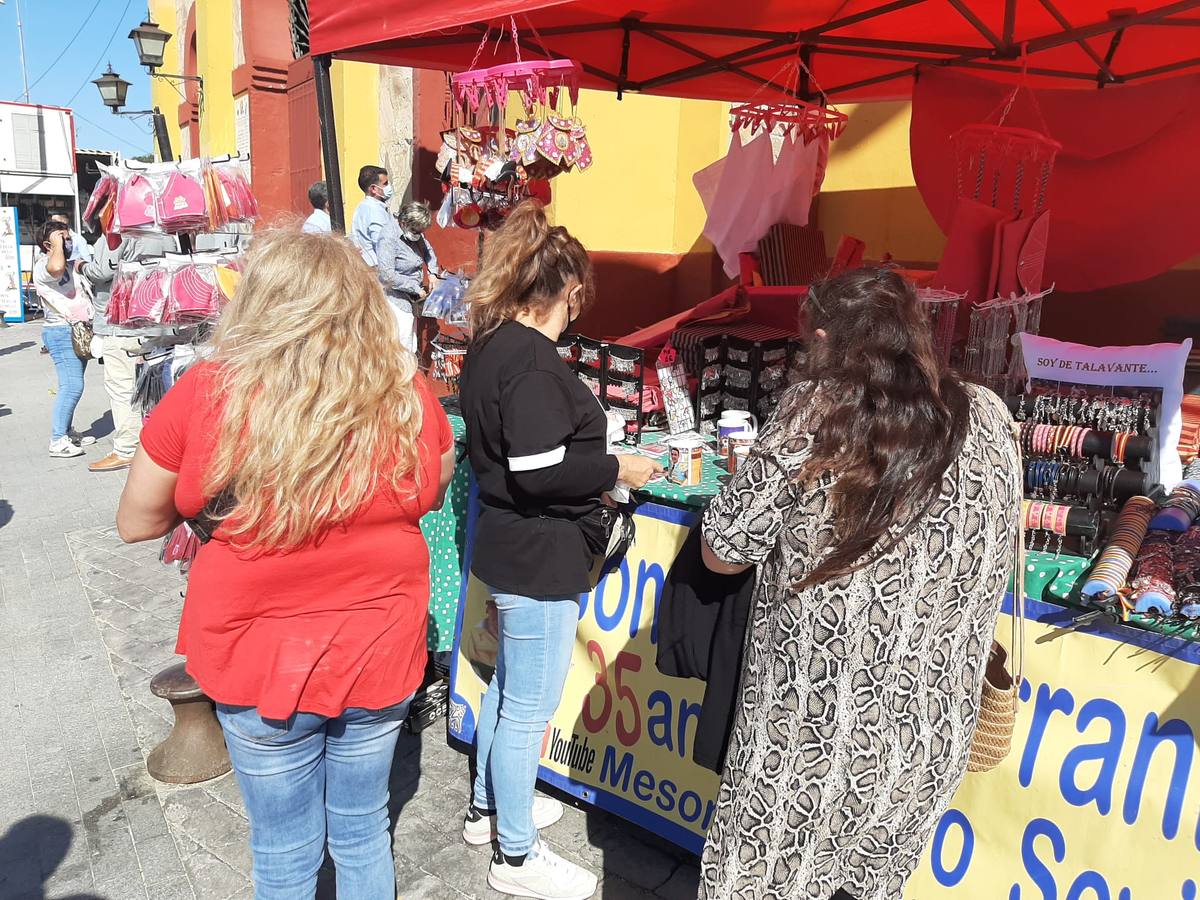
[[889, 417]]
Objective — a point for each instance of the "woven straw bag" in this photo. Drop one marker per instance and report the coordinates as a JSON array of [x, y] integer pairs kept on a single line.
[[998, 702]]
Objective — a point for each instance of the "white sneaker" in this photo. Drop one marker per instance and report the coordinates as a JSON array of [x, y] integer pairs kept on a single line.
[[546, 811], [543, 876], [80, 440], [64, 449]]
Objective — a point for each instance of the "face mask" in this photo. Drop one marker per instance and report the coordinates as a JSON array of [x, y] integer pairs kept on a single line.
[[67, 247], [387, 192]]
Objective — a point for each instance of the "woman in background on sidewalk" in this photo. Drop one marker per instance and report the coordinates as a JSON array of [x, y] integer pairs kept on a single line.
[[55, 280], [538, 443], [311, 440]]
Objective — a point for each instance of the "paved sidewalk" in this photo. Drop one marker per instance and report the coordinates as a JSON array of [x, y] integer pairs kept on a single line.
[[85, 622]]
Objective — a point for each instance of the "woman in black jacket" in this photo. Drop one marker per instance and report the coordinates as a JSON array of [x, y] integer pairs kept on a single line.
[[537, 440]]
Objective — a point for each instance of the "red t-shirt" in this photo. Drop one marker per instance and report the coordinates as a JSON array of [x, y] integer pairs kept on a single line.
[[336, 624]]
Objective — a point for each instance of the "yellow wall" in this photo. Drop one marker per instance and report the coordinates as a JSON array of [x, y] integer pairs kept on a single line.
[[355, 90], [638, 194], [214, 63], [869, 190], [162, 94], [356, 114]]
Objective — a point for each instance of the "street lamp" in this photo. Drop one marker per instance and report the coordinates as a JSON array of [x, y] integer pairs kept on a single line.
[[113, 89], [151, 43]]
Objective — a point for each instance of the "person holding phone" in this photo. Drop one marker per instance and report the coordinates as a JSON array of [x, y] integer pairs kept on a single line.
[[54, 280]]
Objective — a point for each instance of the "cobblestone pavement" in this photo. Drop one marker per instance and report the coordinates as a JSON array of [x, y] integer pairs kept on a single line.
[[85, 622]]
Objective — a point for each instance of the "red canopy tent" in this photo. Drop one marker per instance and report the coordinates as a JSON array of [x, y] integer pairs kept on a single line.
[[858, 49]]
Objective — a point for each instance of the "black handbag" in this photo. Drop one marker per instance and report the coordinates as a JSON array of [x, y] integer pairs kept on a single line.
[[608, 532], [205, 522]]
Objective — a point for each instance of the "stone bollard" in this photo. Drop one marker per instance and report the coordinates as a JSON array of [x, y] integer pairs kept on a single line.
[[194, 751]]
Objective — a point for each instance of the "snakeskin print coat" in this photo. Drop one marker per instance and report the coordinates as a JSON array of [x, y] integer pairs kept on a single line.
[[859, 695]]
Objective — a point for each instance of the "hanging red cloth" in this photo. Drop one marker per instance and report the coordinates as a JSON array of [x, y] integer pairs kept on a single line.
[[1125, 193]]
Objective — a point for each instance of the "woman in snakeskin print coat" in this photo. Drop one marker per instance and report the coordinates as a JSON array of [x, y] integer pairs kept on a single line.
[[881, 506]]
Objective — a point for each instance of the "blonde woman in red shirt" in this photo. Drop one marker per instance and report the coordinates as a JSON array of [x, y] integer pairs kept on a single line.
[[305, 615]]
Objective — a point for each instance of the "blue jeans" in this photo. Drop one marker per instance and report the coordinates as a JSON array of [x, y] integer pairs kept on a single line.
[[537, 636], [69, 367], [310, 779]]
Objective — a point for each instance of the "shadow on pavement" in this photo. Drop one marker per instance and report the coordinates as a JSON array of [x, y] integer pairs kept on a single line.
[[30, 853], [101, 426], [24, 345]]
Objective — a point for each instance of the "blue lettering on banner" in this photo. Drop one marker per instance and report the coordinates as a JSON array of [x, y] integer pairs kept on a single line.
[[1089, 881], [687, 712], [658, 725], [606, 621], [616, 775], [689, 807], [1044, 707], [647, 574], [1107, 752], [951, 877], [1174, 732], [643, 786], [1034, 867], [667, 790], [697, 806]]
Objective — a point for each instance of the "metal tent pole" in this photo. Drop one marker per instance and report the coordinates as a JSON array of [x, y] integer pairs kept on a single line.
[[329, 148]]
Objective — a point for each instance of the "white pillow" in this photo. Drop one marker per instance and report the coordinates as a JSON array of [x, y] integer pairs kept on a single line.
[[1151, 365]]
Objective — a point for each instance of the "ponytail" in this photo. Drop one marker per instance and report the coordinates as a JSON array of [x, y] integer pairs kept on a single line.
[[526, 265]]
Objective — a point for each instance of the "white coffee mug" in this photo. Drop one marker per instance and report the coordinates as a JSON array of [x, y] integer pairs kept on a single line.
[[733, 421]]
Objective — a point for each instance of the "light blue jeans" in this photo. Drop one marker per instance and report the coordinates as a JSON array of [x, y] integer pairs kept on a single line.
[[537, 635], [69, 367], [308, 780]]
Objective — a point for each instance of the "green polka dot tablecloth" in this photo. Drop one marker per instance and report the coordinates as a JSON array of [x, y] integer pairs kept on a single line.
[[1052, 578], [696, 496], [1058, 579], [445, 533]]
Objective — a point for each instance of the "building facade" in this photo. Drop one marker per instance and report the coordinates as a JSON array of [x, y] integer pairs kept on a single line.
[[37, 167]]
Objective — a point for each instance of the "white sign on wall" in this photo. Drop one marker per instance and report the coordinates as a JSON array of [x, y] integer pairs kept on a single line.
[[241, 126], [11, 306]]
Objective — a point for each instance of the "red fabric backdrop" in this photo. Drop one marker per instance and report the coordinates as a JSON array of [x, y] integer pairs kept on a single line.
[[1125, 194]]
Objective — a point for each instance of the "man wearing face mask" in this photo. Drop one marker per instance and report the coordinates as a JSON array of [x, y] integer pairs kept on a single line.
[[377, 234], [372, 219]]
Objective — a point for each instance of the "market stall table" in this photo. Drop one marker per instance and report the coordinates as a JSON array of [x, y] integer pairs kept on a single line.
[[623, 734]]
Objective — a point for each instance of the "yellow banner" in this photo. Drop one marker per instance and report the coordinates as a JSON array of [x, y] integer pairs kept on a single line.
[[1098, 800], [1100, 797]]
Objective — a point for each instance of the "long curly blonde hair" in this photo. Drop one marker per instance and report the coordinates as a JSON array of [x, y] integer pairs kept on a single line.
[[320, 407]]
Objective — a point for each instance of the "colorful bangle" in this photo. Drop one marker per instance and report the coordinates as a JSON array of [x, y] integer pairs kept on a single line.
[[1047, 519], [1061, 514]]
